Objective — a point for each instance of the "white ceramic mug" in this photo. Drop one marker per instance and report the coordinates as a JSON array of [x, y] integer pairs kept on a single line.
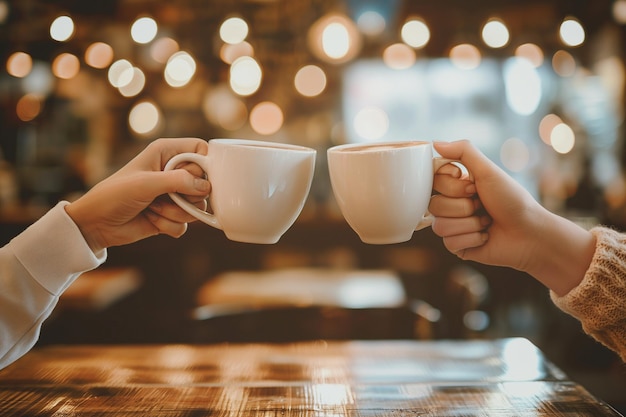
[[258, 189], [383, 189]]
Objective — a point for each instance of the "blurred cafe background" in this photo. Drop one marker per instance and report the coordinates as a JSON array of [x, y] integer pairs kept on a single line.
[[537, 85]]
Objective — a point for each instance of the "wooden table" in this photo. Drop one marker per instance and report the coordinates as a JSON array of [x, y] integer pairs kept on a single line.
[[507, 377]]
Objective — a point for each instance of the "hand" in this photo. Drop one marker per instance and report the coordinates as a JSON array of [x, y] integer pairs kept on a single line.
[[496, 221], [132, 204]]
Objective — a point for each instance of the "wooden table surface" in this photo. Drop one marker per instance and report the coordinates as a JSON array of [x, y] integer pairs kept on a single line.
[[508, 377]]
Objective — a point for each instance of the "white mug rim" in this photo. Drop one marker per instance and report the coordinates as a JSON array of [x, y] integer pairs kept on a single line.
[[260, 144], [403, 143]]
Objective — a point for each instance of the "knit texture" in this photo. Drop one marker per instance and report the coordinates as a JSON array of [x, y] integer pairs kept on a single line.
[[599, 301]]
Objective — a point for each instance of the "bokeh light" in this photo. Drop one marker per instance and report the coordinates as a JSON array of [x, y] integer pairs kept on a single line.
[[562, 138], [563, 63], [572, 32], [334, 38], [62, 28], [19, 64], [29, 107], [531, 52], [234, 30], [547, 123], [144, 118], [223, 108], [245, 76], [99, 55], [180, 69], [120, 73], [229, 52], [371, 23], [144, 30], [495, 34], [135, 85], [310, 81], [266, 118], [465, 56], [415, 33], [66, 66], [399, 56]]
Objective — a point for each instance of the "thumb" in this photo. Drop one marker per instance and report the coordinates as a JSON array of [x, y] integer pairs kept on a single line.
[[466, 153]]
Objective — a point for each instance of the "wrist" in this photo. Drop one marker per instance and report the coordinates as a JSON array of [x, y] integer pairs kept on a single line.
[[562, 253], [91, 236]]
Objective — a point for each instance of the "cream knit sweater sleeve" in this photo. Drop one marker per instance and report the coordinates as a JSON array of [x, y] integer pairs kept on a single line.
[[599, 301]]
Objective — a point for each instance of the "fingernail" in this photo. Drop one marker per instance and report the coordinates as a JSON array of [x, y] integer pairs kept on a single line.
[[202, 185]]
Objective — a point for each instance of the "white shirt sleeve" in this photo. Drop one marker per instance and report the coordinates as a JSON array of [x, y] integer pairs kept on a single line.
[[35, 268]]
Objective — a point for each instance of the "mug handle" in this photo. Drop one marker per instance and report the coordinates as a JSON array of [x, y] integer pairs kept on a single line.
[[203, 216], [438, 162]]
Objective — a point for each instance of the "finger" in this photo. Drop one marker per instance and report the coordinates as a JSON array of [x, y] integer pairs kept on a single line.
[[451, 170], [465, 152], [453, 187], [166, 226], [179, 181], [446, 227], [458, 244], [444, 206], [172, 212]]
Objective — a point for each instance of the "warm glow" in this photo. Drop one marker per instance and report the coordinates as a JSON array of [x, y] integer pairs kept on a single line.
[[230, 52], [4, 11], [245, 76], [62, 28], [399, 56], [371, 123], [562, 138], [19, 64], [465, 56], [28, 107], [495, 34], [522, 86], [334, 38], [180, 69], [415, 33], [99, 55], [563, 63], [310, 80], [530, 52], [144, 30], [66, 66], [546, 126], [335, 41], [144, 118], [234, 30], [266, 118], [515, 155], [162, 49], [120, 73], [135, 85], [572, 33]]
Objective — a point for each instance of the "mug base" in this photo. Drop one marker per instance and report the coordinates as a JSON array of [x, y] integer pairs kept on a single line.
[[261, 240]]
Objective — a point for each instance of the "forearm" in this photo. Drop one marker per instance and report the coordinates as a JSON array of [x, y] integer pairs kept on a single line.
[[35, 268]]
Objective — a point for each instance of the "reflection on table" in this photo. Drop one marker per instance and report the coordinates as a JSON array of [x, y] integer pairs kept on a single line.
[[507, 377]]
